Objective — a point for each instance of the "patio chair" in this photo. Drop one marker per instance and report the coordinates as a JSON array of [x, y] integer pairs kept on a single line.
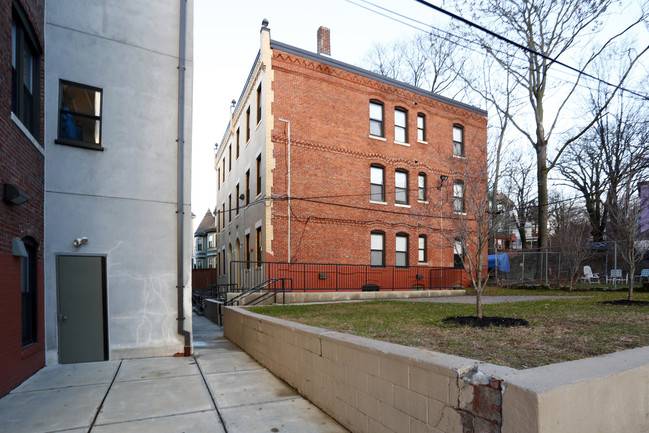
[[589, 277], [643, 274], [616, 277]]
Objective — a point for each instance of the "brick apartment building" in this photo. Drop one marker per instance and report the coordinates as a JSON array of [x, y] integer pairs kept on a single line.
[[324, 162], [22, 347]]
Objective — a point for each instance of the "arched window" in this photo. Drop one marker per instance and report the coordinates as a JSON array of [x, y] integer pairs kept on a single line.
[[376, 118], [402, 250], [377, 183], [458, 140]]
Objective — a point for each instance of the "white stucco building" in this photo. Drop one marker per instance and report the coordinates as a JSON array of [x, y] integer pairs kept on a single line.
[[118, 103]]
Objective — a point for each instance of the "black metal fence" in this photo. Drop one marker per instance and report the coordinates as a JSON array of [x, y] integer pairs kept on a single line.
[[341, 277]]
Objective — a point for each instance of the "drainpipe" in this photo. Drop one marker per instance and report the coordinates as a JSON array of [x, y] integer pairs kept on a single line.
[[288, 123], [180, 241]]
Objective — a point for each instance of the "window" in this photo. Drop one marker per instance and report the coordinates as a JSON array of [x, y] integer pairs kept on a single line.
[[210, 241], [400, 125], [376, 118], [223, 180], [401, 259], [237, 137], [223, 216], [458, 254], [421, 127], [237, 200], [199, 244], [259, 103], [229, 207], [247, 192], [377, 183], [248, 124], [229, 157], [258, 246], [421, 187], [25, 74], [422, 249], [79, 115], [377, 248], [458, 140], [218, 178], [258, 186], [401, 187], [29, 288], [458, 196]]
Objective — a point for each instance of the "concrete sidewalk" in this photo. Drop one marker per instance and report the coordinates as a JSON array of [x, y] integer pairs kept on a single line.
[[219, 389]]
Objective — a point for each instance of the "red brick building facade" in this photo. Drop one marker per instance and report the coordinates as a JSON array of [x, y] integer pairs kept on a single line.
[[22, 350], [367, 155]]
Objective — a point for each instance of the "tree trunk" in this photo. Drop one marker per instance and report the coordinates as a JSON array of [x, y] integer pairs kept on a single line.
[[631, 273], [478, 303], [542, 181]]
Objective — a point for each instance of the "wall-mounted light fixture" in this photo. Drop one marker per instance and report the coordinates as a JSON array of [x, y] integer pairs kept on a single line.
[[13, 195], [79, 241], [442, 178]]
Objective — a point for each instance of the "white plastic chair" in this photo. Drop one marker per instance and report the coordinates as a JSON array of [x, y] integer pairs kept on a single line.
[[616, 277], [589, 277]]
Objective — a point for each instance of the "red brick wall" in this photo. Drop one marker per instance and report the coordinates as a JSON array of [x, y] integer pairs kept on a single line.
[[331, 154], [21, 164]]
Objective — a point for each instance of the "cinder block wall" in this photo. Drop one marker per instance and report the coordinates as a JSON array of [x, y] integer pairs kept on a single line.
[[373, 386]]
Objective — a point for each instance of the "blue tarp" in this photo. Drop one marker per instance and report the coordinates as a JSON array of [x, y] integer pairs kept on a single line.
[[503, 262]]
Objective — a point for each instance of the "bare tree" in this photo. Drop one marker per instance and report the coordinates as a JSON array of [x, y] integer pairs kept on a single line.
[[428, 61], [518, 186], [548, 30], [471, 225], [611, 153], [570, 231], [631, 242]]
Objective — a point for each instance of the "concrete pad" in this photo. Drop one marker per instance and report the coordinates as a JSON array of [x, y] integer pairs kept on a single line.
[[155, 368], [247, 387], [287, 416], [51, 410], [198, 422], [137, 400], [227, 362], [66, 375]]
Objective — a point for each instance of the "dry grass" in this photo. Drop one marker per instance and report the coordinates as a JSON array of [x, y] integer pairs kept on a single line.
[[560, 330]]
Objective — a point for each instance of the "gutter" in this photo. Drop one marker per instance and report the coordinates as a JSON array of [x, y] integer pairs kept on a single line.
[[180, 214]]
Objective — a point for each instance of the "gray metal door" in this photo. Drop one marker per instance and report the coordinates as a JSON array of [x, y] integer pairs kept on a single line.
[[81, 292]]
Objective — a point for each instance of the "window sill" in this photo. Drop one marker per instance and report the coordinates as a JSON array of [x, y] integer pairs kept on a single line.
[[459, 213], [80, 144], [376, 137], [422, 142], [402, 205], [28, 134], [422, 201], [459, 156], [402, 143], [378, 202]]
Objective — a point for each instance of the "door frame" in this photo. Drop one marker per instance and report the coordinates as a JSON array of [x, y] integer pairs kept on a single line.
[[104, 299]]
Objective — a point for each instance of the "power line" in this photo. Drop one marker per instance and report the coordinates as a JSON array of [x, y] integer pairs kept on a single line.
[[485, 30]]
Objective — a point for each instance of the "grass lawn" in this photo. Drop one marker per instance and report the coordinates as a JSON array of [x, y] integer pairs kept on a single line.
[[560, 329]]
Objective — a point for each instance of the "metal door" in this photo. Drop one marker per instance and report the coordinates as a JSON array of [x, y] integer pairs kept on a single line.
[[81, 293]]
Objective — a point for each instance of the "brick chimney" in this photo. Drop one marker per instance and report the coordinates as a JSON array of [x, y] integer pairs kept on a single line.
[[324, 45]]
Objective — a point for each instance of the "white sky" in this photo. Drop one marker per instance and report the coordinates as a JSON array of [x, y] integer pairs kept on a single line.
[[226, 41]]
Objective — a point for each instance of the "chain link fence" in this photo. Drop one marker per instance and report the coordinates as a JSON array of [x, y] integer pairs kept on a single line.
[[551, 266]]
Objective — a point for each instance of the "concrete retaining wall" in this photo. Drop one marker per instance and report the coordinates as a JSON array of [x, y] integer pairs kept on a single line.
[[373, 386], [312, 296]]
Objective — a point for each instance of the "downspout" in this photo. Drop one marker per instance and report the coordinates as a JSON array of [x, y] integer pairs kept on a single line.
[[180, 241]]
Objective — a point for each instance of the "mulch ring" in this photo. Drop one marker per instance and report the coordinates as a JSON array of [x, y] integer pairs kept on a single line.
[[626, 303], [485, 322]]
